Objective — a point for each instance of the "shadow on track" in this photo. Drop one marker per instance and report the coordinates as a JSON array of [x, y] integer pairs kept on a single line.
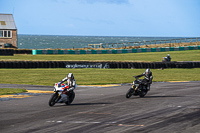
[[152, 97], [79, 104], [162, 96], [89, 104]]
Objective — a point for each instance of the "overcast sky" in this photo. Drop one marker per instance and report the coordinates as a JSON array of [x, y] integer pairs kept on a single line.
[[165, 18]]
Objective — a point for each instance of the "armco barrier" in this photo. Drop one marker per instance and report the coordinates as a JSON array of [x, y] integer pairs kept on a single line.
[[116, 51], [87, 64]]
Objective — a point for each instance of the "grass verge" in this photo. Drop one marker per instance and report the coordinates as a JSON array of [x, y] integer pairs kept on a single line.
[[188, 55], [92, 76], [5, 91]]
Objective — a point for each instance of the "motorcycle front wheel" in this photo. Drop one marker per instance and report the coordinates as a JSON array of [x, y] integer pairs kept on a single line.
[[129, 93], [53, 99]]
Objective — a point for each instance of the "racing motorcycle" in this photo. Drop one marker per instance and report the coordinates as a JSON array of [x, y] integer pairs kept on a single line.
[[165, 59], [138, 88], [60, 95]]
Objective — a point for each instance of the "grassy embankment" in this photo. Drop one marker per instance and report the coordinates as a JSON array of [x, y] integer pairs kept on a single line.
[[92, 76], [100, 76], [189, 55], [5, 91]]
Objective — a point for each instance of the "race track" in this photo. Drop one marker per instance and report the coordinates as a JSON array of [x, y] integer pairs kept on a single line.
[[167, 108]]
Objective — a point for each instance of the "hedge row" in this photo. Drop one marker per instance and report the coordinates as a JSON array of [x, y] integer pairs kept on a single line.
[[62, 64]]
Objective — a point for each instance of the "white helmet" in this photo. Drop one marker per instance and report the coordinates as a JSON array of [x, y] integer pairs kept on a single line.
[[70, 76], [168, 55]]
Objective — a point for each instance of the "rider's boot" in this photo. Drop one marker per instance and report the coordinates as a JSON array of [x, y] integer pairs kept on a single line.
[[148, 87]]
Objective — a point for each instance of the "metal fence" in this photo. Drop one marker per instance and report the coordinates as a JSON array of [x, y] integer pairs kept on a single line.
[[140, 43]]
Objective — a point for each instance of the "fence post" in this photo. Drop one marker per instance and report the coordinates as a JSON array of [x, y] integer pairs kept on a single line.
[[196, 40]]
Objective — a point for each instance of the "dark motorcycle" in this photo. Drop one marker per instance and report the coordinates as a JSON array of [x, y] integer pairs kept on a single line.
[[139, 87], [60, 95]]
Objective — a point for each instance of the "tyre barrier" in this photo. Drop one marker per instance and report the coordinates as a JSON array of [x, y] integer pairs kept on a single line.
[[7, 52], [22, 51], [11, 52], [83, 64]]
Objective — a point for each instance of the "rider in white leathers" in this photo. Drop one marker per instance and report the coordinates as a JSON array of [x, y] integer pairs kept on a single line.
[[71, 82]]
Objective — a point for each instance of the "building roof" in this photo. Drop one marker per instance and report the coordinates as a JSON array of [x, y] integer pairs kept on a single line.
[[7, 22]]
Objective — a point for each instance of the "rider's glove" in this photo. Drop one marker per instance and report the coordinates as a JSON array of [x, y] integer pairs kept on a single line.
[[59, 84]]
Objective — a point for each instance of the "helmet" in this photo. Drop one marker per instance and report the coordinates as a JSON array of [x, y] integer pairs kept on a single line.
[[168, 55], [147, 71], [70, 76]]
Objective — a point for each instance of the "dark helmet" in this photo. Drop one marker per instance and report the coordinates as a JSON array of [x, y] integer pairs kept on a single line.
[[147, 71]]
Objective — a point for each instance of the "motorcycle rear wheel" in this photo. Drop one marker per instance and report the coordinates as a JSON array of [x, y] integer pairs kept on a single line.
[[129, 93], [143, 93], [53, 99], [71, 98]]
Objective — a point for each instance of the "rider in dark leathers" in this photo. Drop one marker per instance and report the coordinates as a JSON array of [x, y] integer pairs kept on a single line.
[[167, 58], [147, 79]]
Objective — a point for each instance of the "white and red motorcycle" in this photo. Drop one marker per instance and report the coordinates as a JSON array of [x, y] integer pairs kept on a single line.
[[61, 95]]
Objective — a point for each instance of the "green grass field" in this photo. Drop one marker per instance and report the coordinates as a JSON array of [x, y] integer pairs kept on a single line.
[[189, 55], [92, 76], [5, 91], [100, 76]]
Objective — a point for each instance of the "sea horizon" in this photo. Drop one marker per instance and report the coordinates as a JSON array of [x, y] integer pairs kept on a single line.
[[33, 41]]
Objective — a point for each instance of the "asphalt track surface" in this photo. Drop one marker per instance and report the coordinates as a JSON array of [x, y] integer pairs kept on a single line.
[[167, 108]]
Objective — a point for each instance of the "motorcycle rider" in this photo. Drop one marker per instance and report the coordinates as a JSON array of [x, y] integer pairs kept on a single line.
[[167, 58], [148, 78], [71, 82]]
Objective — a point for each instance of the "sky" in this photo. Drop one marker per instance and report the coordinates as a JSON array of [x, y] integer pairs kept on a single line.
[[147, 18]]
